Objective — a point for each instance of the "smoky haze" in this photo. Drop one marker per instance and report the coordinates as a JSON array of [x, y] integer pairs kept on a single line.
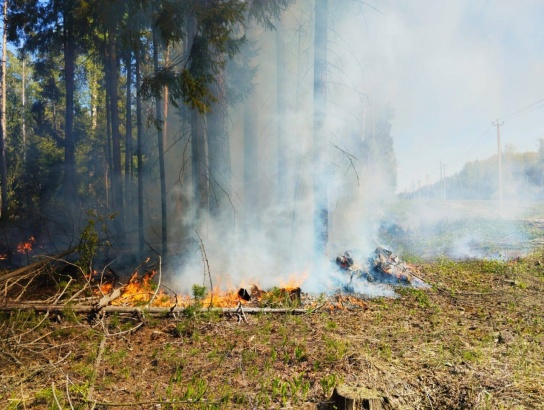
[[266, 233], [436, 74]]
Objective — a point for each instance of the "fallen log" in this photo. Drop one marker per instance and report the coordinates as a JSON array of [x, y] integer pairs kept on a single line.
[[154, 310]]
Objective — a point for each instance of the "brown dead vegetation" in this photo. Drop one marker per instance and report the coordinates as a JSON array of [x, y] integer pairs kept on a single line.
[[475, 340]]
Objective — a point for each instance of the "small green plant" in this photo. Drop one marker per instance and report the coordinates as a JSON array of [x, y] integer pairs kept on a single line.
[[47, 396], [331, 325], [195, 389], [199, 292], [335, 349], [419, 295], [328, 383], [89, 241], [300, 354], [117, 357]]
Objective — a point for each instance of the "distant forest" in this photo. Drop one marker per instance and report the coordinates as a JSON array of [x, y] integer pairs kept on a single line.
[[522, 178]]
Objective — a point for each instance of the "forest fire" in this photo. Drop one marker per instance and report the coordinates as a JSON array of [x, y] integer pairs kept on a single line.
[[382, 271], [144, 291]]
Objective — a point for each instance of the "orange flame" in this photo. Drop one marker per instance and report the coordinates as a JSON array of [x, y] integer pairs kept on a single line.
[[295, 280], [26, 247]]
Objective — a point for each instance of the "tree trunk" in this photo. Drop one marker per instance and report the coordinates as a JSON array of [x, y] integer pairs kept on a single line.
[[251, 163], [117, 182], [200, 168], [140, 145], [128, 131], [198, 147], [3, 130], [321, 212], [165, 102], [69, 145], [23, 115], [162, 176], [219, 150], [107, 164], [283, 189]]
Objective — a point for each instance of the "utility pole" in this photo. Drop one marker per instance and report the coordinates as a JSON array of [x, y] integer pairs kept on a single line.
[[442, 180], [498, 125]]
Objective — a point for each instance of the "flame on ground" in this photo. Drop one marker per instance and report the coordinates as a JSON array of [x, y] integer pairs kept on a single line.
[[26, 246], [143, 291], [294, 281]]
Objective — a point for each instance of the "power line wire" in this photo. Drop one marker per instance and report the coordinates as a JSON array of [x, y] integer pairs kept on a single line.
[[529, 108]]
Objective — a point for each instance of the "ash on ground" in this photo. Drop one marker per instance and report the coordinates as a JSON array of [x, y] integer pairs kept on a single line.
[[377, 276]]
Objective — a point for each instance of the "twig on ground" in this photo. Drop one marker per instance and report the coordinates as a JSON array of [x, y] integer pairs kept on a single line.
[[240, 313], [68, 394], [55, 395], [101, 348]]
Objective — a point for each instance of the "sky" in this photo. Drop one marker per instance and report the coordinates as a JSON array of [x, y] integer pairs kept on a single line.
[[449, 69]]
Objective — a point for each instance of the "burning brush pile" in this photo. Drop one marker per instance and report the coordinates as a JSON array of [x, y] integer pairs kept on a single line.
[[378, 277], [350, 285]]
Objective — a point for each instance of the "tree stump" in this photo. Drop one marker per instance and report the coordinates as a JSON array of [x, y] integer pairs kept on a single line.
[[358, 398]]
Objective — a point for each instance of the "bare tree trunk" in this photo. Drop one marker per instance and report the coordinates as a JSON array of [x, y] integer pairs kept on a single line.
[[198, 147], [140, 145], [117, 181], [69, 144], [128, 129], [164, 229], [3, 130], [108, 164], [281, 104], [219, 150], [251, 163], [165, 102], [321, 212], [23, 115], [200, 168]]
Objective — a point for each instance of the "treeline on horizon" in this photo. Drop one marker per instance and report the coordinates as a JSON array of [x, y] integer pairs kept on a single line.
[[522, 179]]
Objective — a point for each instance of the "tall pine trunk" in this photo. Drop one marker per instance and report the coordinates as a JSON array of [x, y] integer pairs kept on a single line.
[[199, 164], [3, 128], [69, 145], [321, 211], [198, 147], [128, 131], [251, 163], [281, 105], [117, 182], [139, 153], [162, 176], [219, 150]]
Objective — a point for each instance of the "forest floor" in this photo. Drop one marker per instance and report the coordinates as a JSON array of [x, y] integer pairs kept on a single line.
[[473, 340]]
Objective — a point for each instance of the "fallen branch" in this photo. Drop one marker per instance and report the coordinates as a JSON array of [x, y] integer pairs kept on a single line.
[[110, 297], [133, 309], [33, 266]]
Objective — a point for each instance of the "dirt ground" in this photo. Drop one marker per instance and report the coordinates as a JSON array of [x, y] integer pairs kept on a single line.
[[474, 340]]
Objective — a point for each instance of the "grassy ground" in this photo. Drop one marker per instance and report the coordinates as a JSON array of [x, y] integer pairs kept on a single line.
[[474, 340]]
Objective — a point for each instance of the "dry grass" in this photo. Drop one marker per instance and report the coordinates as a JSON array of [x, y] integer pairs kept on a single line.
[[475, 340]]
